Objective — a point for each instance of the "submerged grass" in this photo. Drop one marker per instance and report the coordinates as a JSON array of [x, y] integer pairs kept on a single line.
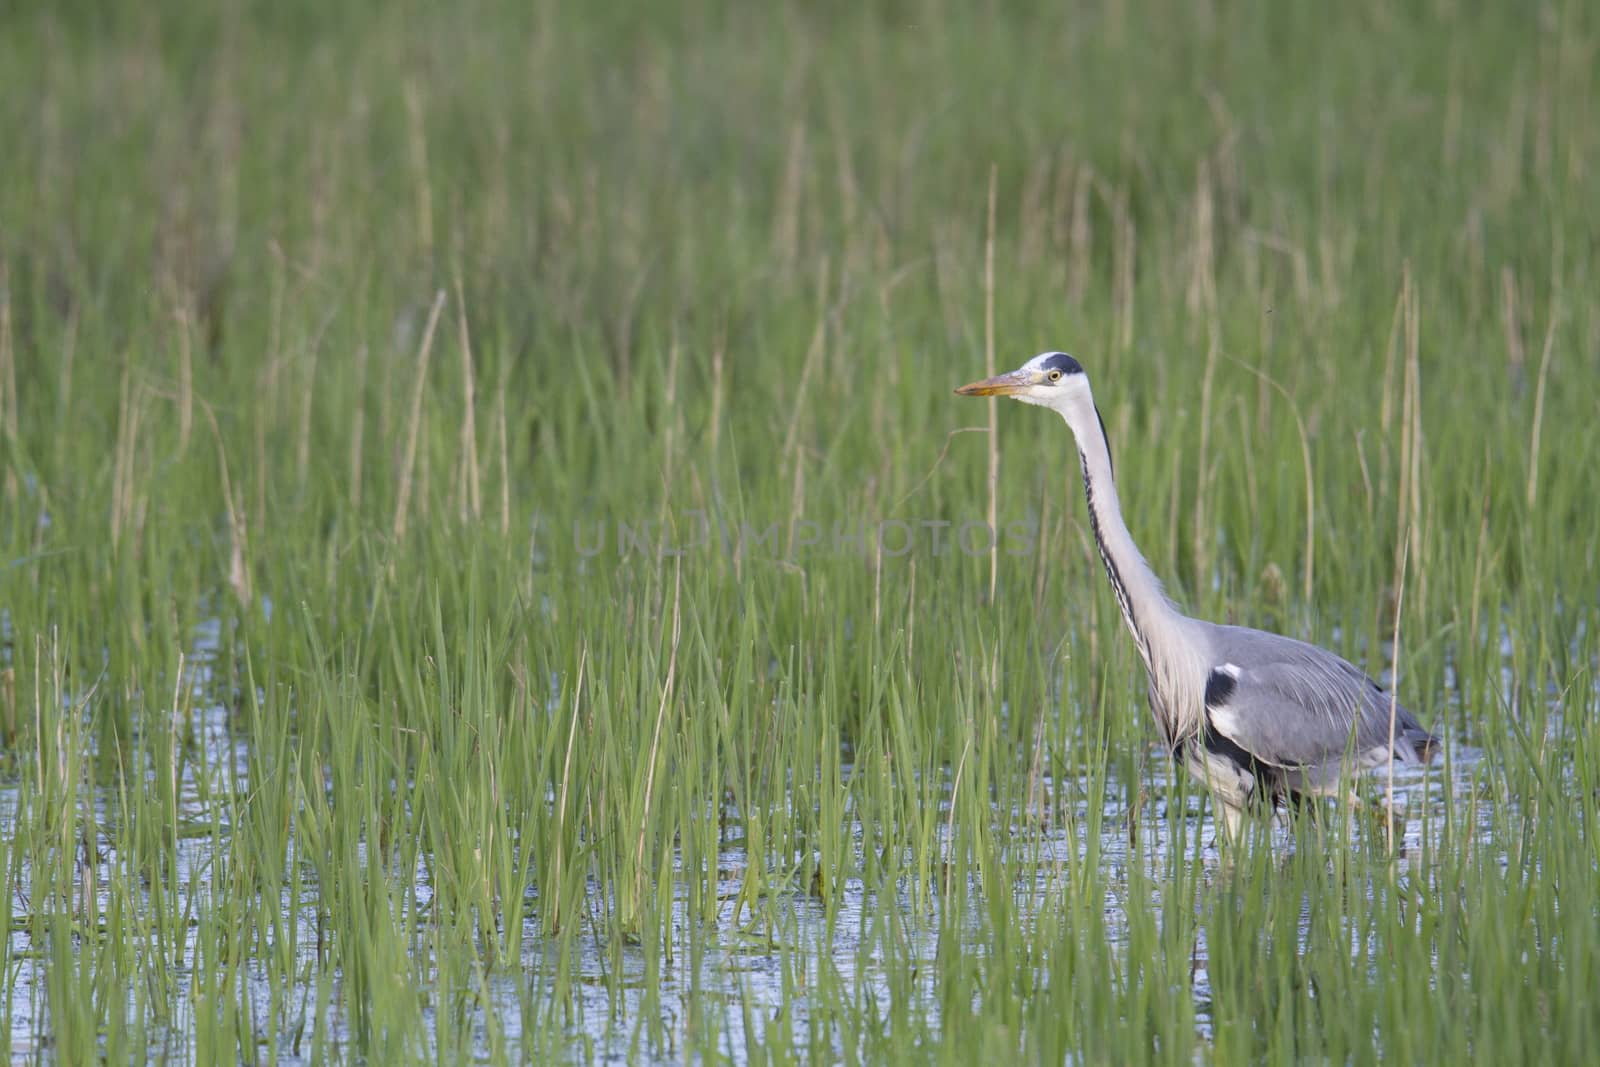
[[490, 566]]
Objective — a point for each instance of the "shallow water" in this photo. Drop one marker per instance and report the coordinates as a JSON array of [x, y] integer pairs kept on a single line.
[[742, 978]]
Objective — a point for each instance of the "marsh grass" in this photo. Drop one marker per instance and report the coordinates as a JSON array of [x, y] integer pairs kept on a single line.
[[424, 630]]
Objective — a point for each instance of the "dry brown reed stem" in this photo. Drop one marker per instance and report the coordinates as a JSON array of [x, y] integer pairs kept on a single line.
[[471, 499], [1538, 404], [988, 372], [408, 464], [1394, 690], [1306, 468], [505, 459]]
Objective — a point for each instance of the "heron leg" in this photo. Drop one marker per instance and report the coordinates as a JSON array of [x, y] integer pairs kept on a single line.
[[1232, 820], [1389, 824]]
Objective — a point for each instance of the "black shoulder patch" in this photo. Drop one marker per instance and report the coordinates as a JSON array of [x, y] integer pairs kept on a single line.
[[1214, 741], [1266, 775], [1062, 362], [1219, 687]]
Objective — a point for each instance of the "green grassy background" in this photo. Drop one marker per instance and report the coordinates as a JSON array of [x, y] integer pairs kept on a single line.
[[327, 734]]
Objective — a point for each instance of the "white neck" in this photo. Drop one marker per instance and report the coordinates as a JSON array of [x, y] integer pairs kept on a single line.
[[1168, 640]]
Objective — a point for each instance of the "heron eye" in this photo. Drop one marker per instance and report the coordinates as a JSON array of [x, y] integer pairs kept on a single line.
[[1054, 376]]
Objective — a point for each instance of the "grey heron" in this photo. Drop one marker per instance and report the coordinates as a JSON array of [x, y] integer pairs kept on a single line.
[[1256, 716]]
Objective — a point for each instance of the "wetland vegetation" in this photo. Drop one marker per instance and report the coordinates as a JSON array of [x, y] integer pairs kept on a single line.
[[491, 567]]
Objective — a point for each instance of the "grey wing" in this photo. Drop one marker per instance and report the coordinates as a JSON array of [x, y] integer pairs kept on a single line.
[[1292, 704]]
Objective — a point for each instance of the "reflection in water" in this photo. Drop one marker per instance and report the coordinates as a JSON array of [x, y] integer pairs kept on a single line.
[[748, 977]]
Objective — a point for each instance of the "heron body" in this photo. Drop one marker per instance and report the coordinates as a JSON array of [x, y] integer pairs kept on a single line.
[[1257, 716]]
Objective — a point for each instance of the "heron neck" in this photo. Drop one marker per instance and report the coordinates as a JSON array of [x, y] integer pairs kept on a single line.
[[1146, 610]]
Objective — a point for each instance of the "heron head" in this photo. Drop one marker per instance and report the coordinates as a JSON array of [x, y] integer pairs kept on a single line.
[[1048, 380]]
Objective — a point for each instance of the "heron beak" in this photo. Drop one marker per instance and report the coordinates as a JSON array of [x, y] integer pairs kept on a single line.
[[1000, 385]]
